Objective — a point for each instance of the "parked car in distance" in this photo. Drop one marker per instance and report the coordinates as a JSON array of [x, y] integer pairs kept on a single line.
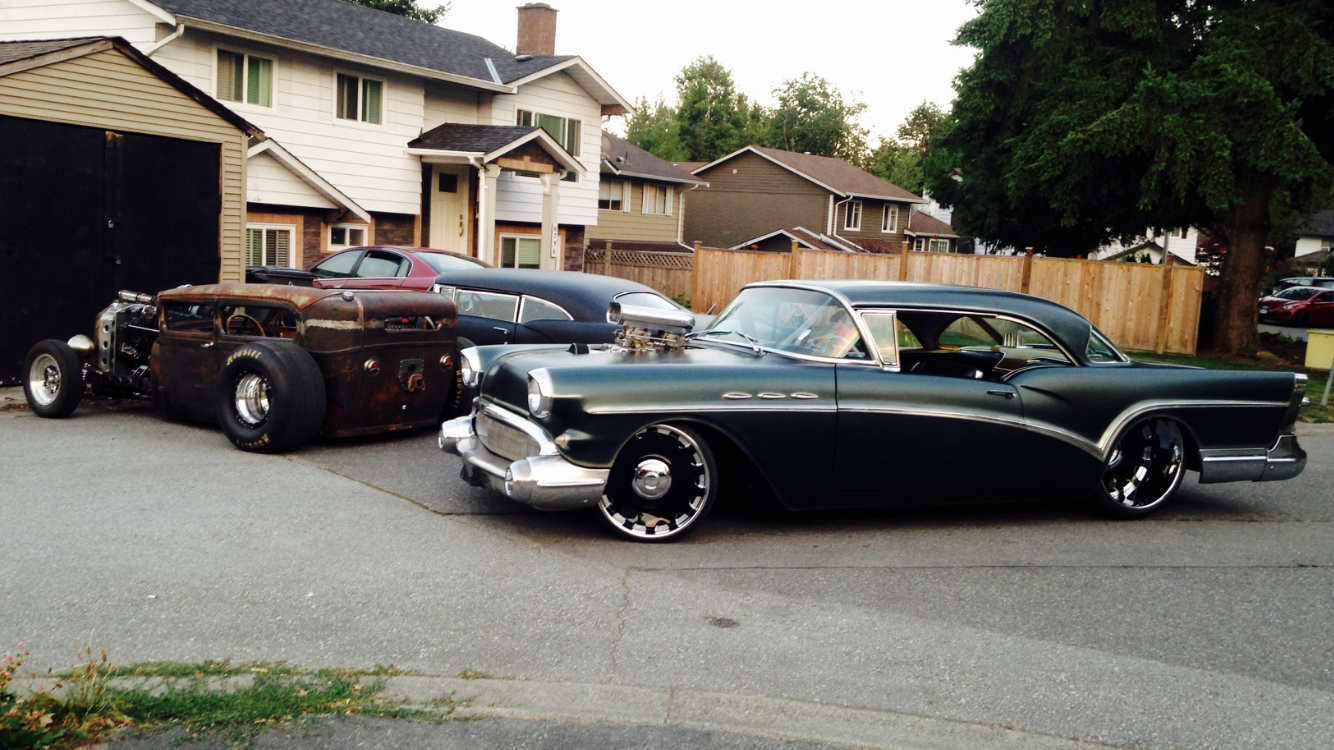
[[372, 267], [1300, 306], [831, 394], [272, 365], [1324, 282]]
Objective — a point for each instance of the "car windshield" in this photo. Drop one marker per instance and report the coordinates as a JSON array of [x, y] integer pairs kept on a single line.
[[1297, 293], [646, 299], [442, 262], [795, 321]]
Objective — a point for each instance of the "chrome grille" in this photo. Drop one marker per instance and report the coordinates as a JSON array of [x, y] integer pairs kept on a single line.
[[502, 439]]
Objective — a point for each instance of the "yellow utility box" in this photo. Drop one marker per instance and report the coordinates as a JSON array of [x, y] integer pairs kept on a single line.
[[1319, 349]]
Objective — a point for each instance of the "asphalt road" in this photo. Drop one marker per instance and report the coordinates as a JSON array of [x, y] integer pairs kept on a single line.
[[1205, 626]]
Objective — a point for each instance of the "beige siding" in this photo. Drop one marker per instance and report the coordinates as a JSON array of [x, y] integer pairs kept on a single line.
[[634, 225], [749, 196], [109, 90], [65, 19]]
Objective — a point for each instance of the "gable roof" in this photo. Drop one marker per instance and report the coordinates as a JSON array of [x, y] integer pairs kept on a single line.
[[1318, 224], [16, 57], [835, 175], [383, 39], [929, 226], [808, 239], [488, 142], [623, 158]]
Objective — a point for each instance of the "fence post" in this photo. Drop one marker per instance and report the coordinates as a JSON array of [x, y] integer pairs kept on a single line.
[[793, 261], [606, 260], [903, 263], [1165, 302], [696, 293], [1027, 278]]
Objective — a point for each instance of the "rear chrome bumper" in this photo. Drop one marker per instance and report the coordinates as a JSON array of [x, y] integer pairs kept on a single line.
[[545, 482], [1284, 460]]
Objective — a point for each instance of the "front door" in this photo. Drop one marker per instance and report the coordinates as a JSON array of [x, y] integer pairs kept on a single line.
[[449, 208]]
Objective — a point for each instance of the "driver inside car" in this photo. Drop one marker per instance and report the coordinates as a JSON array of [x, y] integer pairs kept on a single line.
[[832, 336]]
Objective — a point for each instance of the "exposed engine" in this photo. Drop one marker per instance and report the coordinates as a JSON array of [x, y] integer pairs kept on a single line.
[[126, 332], [648, 328]]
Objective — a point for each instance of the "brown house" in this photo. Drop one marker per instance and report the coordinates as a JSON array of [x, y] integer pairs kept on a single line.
[[756, 191], [927, 234], [641, 199]]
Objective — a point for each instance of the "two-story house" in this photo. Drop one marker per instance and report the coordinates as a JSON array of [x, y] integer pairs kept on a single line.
[[641, 199], [756, 192], [380, 129]]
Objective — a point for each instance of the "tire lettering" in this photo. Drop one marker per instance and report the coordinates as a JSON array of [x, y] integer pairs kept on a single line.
[[242, 353]]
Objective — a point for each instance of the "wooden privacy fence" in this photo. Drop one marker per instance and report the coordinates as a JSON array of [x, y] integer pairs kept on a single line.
[[1140, 306]]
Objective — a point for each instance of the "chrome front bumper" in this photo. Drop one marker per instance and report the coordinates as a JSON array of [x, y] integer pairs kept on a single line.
[[1284, 460], [546, 481]]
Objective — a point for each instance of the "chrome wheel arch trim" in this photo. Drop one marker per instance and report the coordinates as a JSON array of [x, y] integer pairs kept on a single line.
[[1143, 408]]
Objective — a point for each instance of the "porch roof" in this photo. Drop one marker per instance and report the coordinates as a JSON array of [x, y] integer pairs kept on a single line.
[[459, 142]]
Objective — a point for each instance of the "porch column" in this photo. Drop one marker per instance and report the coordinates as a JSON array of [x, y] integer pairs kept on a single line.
[[551, 255], [488, 174]]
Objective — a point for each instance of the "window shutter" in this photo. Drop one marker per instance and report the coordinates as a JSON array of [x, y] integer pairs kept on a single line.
[[626, 192], [280, 243], [229, 76], [259, 87], [371, 104]]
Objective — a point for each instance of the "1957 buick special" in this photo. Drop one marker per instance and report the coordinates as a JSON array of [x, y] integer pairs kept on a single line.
[[824, 394]]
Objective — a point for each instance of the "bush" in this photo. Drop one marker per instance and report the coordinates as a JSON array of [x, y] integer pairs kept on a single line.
[[25, 724]]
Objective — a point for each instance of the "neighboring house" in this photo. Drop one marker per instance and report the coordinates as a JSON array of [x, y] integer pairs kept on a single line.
[[780, 241], [641, 199], [1180, 242], [380, 129], [1315, 237], [755, 191], [927, 234]]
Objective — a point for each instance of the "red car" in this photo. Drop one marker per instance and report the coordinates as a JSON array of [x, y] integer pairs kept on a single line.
[[388, 267], [1300, 306]]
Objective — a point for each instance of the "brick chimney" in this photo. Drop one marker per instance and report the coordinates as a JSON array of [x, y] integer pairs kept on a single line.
[[537, 30]]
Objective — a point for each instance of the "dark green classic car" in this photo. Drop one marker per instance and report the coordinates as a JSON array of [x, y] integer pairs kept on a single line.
[[834, 394]]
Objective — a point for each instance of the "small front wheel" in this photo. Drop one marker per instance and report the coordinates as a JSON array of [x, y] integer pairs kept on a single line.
[[662, 485], [1144, 469], [53, 379]]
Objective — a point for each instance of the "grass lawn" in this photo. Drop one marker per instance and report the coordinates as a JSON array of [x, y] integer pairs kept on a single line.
[[1315, 385]]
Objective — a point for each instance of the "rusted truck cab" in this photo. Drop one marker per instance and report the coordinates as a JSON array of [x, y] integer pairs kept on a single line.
[[385, 358]]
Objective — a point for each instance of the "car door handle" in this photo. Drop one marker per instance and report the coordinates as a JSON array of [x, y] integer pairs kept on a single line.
[[209, 345], [1006, 394], [502, 330]]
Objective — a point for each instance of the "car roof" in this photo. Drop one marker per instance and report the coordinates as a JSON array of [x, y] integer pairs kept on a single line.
[[1069, 326], [583, 295]]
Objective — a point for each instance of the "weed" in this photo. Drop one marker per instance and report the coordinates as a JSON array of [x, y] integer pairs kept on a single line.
[[24, 723]]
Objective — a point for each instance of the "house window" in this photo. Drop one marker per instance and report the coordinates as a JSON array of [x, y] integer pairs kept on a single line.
[[940, 246], [360, 99], [611, 195], [852, 220], [658, 200], [268, 245], [1182, 232], [520, 252], [245, 78], [890, 222], [566, 131], [343, 236]]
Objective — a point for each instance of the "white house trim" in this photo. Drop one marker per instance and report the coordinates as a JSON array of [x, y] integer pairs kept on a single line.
[[154, 11], [587, 78], [549, 144], [308, 176]]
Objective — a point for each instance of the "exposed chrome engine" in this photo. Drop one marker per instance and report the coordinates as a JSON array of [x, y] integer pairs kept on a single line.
[[126, 332], [648, 328]]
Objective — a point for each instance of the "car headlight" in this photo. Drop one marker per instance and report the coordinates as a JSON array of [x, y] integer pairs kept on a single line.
[[539, 394], [469, 368], [1289, 307]]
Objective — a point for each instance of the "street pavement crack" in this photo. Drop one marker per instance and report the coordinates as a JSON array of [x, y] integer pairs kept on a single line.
[[375, 487], [620, 624]]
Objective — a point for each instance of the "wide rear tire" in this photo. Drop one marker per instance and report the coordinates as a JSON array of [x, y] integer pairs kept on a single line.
[[52, 379], [270, 397]]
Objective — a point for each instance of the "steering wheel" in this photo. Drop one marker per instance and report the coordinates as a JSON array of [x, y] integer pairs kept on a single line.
[[243, 321]]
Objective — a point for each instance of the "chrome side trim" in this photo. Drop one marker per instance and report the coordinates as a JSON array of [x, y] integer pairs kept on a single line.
[[693, 408], [736, 396], [1142, 408], [971, 416], [771, 396], [1231, 465], [804, 395], [1065, 436]]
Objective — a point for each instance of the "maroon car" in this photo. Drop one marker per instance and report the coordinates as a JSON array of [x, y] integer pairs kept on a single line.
[[1300, 306], [388, 267]]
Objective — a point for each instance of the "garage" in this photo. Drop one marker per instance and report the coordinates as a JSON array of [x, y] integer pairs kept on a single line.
[[114, 174]]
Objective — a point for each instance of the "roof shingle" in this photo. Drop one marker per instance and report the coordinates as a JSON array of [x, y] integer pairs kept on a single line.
[[15, 51], [627, 158], [475, 139], [836, 174], [922, 223]]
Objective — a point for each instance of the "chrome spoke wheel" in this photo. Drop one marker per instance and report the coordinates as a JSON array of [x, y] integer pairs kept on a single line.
[[661, 484], [1146, 466], [44, 379], [252, 399]]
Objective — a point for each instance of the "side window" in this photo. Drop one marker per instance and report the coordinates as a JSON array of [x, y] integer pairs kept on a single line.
[[1101, 350], [257, 320], [381, 265], [967, 332], [188, 317], [487, 305], [885, 333], [336, 266], [536, 309]]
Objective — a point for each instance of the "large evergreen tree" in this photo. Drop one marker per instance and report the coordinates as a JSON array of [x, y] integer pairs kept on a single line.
[[1084, 120], [653, 128], [710, 115], [813, 116]]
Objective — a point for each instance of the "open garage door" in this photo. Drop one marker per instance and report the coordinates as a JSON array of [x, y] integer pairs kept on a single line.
[[86, 212]]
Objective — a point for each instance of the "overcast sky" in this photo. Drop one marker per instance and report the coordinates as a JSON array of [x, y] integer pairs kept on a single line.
[[891, 54]]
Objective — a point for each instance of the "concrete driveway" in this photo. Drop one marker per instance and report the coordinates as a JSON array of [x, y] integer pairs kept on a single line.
[[1206, 626]]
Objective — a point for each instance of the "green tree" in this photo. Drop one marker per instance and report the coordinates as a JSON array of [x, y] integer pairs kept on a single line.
[[711, 116], [925, 122], [899, 163], [653, 128], [1086, 120], [407, 8], [813, 115]]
